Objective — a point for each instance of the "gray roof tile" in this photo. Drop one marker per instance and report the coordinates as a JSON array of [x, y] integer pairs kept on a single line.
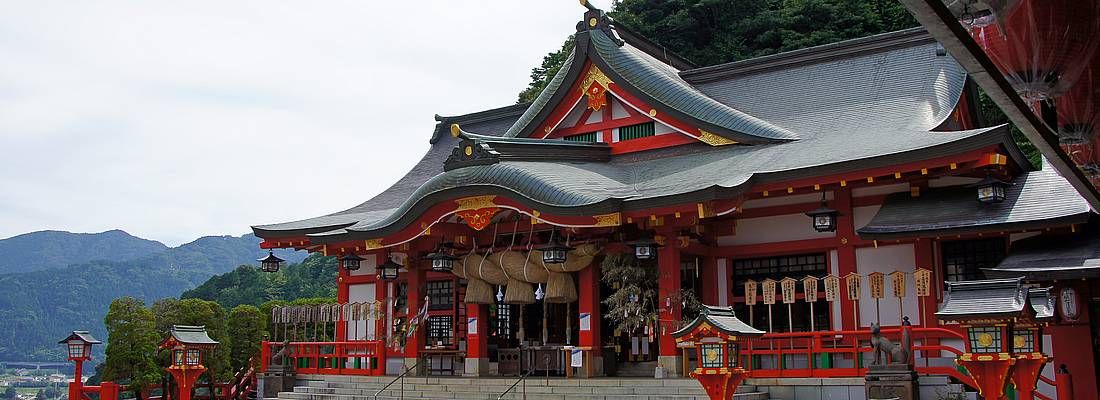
[[1036, 199], [999, 298], [1052, 257]]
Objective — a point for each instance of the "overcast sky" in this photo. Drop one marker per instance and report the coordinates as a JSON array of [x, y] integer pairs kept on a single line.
[[178, 119]]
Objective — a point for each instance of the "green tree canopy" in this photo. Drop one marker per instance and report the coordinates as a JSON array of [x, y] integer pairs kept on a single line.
[[131, 344], [211, 315], [247, 328]]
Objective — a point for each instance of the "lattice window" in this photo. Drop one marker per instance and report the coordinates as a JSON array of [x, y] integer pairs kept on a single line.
[[584, 137], [504, 321], [636, 131], [441, 295], [440, 330], [964, 260], [1023, 341], [713, 355], [795, 266], [985, 339]]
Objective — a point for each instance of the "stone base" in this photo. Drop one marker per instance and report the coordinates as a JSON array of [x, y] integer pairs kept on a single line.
[[672, 365], [597, 368], [476, 367], [891, 381], [411, 362], [270, 383]]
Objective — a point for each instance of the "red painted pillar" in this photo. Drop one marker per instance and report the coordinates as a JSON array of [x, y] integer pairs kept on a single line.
[[477, 339], [588, 307], [668, 289], [416, 283], [342, 298], [846, 253]]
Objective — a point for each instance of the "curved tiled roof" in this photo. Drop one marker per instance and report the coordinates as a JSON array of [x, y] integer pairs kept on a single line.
[[1036, 199], [654, 80], [850, 112]]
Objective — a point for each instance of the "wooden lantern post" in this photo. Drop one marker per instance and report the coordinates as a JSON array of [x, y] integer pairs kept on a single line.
[[717, 334], [991, 311], [187, 344]]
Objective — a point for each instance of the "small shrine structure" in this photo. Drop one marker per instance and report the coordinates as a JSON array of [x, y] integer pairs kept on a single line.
[[715, 334]]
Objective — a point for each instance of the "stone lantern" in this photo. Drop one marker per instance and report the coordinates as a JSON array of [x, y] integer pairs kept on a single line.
[[992, 312], [188, 344], [716, 334]]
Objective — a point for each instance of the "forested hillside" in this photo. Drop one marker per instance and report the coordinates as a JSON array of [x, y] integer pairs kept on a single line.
[[314, 277], [38, 308], [41, 250]]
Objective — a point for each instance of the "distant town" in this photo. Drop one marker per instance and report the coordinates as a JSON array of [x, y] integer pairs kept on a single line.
[[34, 382]]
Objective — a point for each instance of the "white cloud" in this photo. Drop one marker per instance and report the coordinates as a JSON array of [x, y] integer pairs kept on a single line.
[[173, 120]]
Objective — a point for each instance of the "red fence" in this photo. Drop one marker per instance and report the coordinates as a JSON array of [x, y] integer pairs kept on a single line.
[[833, 354], [333, 358]]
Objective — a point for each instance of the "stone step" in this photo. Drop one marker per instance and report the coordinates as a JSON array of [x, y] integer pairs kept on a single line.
[[603, 390], [438, 395]]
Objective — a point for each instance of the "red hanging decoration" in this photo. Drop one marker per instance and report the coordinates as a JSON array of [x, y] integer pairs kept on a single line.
[[1079, 115], [1043, 45]]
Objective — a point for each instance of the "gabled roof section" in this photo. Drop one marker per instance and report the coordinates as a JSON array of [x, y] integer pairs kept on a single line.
[[646, 77], [80, 335], [190, 335], [1052, 257], [721, 318], [986, 299], [1036, 199], [493, 122], [477, 149]]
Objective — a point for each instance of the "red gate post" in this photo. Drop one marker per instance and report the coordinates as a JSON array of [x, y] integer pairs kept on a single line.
[[187, 344], [1064, 381], [717, 336]]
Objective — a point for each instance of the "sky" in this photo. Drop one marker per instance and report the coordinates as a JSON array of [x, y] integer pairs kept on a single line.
[[173, 120]]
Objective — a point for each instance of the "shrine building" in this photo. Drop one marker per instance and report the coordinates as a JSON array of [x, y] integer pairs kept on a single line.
[[815, 191]]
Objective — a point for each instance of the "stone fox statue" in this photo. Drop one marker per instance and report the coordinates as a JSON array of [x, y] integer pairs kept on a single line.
[[881, 345]]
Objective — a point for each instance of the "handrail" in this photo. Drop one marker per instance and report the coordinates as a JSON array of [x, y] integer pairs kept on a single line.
[[399, 377], [522, 378]]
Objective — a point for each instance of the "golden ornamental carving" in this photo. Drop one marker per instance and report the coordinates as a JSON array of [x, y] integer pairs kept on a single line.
[[595, 75], [613, 219], [475, 202], [595, 87], [373, 244], [714, 140]]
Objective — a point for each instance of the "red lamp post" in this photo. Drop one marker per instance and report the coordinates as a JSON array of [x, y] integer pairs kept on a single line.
[[716, 335], [999, 322], [79, 347], [187, 344]]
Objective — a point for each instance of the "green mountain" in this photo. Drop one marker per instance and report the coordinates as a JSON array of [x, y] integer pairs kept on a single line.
[[43, 250], [314, 277], [40, 307]]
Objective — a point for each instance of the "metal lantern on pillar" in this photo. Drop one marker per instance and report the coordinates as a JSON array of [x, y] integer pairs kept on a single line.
[[716, 334], [271, 263], [351, 261], [79, 345], [388, 270], [823, 218], [991, 190], [441, 261], [645, 249], [555, 252]]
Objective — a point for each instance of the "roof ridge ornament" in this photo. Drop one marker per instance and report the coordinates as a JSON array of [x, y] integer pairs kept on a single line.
[[597, 19]]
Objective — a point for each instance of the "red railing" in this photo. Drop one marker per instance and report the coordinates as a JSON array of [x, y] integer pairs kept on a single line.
[[833, 354], [333, 358]]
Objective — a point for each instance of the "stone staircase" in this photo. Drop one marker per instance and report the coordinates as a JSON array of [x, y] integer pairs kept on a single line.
[[330, 387]]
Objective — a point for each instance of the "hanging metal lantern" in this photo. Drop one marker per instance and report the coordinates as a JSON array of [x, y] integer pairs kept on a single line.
[[441, 261], [271, 263], [555, 252], [351, 261], [645, 249], [991, 190], [388, 270], [823, 218]]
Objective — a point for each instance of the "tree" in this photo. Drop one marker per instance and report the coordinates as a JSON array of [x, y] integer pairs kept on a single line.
[[211, 315], [10, 393], [246, 327], [41, 395], [541, 75], [632, 304], [131, 344]]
